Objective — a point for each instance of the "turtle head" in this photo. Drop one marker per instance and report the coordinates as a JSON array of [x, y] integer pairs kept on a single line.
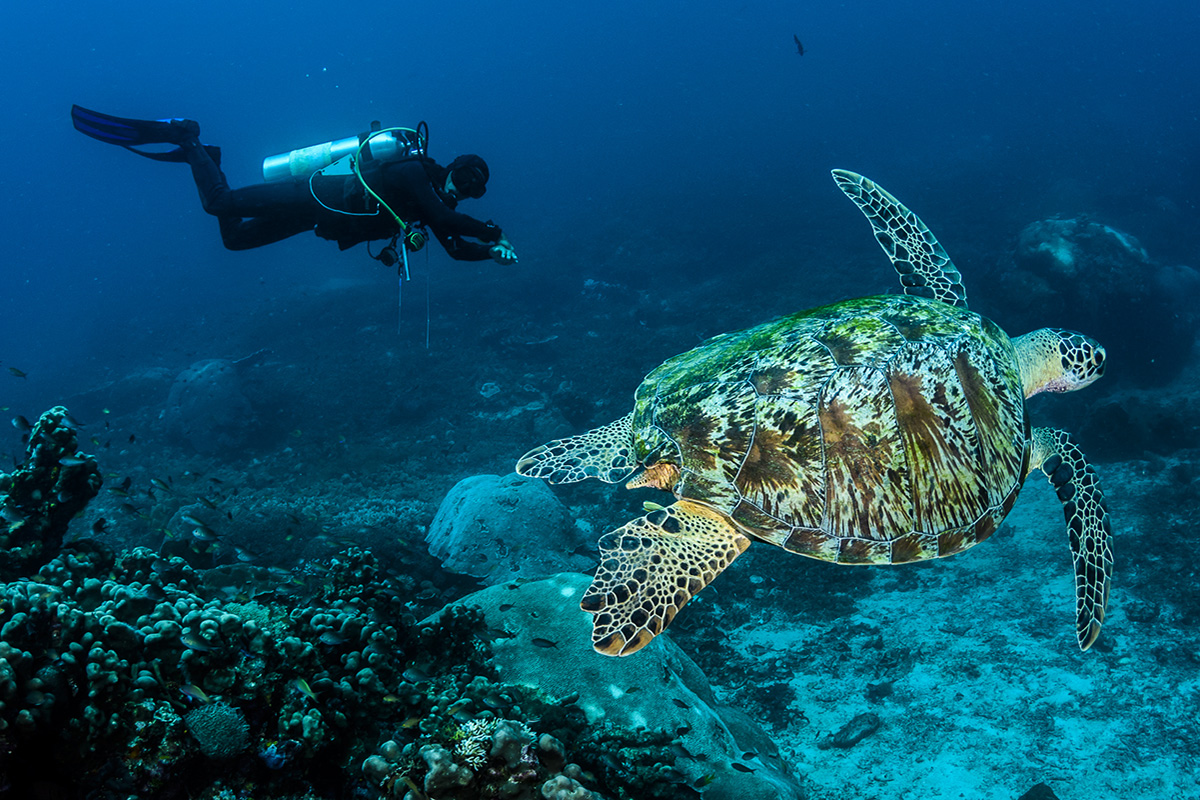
[[659, 470], [1058, 360]]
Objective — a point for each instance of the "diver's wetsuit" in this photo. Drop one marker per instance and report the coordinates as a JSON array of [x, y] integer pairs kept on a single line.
[[256, 215]]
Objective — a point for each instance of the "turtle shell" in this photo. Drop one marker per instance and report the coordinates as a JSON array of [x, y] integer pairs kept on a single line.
[[878, 430]]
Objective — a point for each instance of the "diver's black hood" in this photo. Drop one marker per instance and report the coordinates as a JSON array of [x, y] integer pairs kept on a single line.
[[470, 174]]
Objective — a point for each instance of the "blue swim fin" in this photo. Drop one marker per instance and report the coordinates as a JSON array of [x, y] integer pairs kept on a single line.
[[132, 132]]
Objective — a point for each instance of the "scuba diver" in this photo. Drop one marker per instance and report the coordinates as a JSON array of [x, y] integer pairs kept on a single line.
[[378, 185]]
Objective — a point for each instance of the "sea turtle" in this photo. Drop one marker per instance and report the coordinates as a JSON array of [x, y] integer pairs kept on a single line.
[[881, 430]]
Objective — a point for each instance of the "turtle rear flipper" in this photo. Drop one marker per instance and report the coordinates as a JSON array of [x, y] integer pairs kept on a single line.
[[1078, 488], [650, 567], [924, 267], [605, 453]]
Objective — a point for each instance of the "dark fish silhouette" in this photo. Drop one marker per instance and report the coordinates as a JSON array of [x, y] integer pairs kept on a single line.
[[799, 47]]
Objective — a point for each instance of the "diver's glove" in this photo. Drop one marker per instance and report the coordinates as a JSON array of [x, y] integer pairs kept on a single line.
[[502, 252]]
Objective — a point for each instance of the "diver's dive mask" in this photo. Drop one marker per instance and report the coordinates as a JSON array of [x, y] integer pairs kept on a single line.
[[470, 175]]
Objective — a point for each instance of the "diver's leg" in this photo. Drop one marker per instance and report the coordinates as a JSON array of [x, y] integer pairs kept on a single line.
[[215, 194], [251, 216], [245, 234]]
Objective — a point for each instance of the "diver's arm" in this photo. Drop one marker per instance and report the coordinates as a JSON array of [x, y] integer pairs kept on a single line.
[[437, 214], [460, 249]]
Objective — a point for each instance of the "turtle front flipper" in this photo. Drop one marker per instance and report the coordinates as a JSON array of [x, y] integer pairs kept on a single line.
[[1078, 487], [650, 567], [605, 453], [924, 267]]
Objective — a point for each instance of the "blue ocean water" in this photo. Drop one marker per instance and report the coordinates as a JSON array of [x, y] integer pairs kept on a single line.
[[661, 169], [696, 123]]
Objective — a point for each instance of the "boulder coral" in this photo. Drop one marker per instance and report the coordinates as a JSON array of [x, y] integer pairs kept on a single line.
[[507, 528]]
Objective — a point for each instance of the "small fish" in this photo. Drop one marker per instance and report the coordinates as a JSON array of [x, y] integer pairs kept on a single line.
[[193, 692], [390, 698], [16, 372], [203, 533], [652, 507], [125, 484], [411, 722], [20, 423], [207, 502], [191, 519], [632, 689], [799, 47], [192, 641], [117, 490], [100, 525], [679, 703], [495, 634], [10, 514], [679, 751], [506, 606], [539, 642], [243, 555], [161, 484], [704, 780], [72, 461], [740, 767], [132, 438], [427, 594], [301, 686], [332, 638], [72, 423], [414, 675], [129, 508]]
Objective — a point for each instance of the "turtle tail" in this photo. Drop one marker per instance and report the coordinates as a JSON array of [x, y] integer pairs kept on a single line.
[[605, 453]]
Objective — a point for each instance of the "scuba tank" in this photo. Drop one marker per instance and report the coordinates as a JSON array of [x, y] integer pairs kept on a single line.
[[375, 145]]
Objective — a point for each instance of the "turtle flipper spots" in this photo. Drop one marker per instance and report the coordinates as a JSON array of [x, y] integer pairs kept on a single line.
[[650, 567], [1078, 487], [924, 267], [605, 453]]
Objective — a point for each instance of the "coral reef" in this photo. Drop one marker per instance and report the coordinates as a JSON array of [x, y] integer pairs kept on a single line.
[[158, 662], [41, 496], [133, 674]]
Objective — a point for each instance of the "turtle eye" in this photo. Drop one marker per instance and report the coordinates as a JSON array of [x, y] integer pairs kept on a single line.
[[654, 455]]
